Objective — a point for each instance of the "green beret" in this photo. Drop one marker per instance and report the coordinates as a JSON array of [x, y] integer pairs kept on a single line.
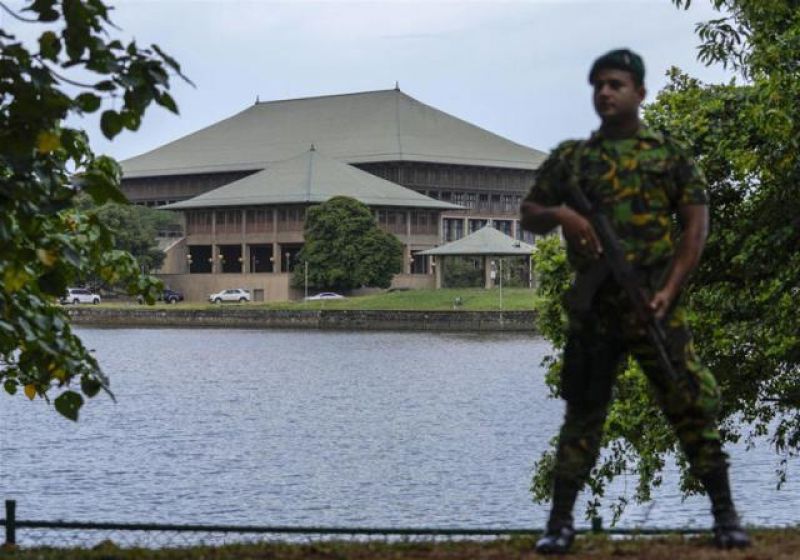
[[620, 59]]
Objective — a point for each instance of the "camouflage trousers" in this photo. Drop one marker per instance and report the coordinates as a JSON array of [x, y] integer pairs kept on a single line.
[[598, 341]]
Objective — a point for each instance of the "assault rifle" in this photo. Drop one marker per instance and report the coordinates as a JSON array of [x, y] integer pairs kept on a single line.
[[626, 277]]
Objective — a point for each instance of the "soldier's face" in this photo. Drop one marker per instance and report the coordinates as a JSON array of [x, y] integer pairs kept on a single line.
[[616, 96]]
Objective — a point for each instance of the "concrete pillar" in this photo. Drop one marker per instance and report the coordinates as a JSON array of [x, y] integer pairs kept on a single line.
[[276, 248], [437, 266], [214, 248], [277, 261]]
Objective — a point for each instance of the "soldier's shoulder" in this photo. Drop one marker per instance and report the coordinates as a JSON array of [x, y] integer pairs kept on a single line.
[[565, 149], [670, 142]]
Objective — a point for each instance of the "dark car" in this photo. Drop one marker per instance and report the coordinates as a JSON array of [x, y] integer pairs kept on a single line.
[[171, 296], [168, 296]]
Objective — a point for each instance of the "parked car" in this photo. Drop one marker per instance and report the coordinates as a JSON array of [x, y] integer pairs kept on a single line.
[[325, 295], [235, 294], [80, 295], [171, 296], [168, 296]]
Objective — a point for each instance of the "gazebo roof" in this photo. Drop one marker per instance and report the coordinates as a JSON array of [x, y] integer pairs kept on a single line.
[[373, 126], [485, 241], [311, 178]]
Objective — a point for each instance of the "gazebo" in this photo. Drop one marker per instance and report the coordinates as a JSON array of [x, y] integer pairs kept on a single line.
[[487, 244]]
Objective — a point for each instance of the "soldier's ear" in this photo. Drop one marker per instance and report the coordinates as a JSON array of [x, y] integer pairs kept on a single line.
[[642, 92]]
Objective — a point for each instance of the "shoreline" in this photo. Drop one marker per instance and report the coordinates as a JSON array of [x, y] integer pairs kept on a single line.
[[323, 319]]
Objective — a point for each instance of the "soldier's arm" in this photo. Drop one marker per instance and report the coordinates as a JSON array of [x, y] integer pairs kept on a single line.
[[577, 230], [543, 209], [694, 218]]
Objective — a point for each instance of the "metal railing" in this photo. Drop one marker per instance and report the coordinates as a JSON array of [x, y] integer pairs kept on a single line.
[[158, 535]]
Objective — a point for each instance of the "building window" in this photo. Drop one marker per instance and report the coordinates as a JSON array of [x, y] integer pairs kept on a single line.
[[198, 222], [505, 226], [453, 229], [261, 258], [471, 200], [229, 221], [475, 225], [259, 221], [199, 259], [424, 223], [419, 263], [230, 258]]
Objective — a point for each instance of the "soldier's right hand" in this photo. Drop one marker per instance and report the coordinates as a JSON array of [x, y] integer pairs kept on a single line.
[[579, 233]]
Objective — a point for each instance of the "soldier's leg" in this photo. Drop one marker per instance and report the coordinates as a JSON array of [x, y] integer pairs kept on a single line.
[[691, 406], [588, 373]]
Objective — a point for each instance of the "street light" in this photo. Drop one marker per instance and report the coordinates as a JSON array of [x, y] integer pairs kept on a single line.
[[501, 282]]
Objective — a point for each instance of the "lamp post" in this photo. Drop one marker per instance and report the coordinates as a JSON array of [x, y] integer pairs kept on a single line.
[[501, 282], [188, 263], [306, 279], [288, 256]]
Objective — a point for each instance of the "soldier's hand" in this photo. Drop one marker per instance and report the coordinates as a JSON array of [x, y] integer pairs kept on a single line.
[[661, 302], [579, 233]]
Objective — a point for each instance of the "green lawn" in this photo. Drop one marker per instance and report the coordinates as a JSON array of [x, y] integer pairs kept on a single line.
[[471, 299]]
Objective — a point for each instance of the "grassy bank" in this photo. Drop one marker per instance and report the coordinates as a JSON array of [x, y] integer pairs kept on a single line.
[[768, 545], [471, 299]]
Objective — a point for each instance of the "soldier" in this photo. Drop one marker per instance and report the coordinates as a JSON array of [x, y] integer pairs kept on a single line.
[[639, 179]]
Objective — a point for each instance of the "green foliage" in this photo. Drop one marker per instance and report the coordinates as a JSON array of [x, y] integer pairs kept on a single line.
[[744, 295], [462, 272], [135, 229], [345, 248], [46, 242]]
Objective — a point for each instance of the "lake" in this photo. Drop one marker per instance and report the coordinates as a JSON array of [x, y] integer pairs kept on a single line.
[[320, 428]]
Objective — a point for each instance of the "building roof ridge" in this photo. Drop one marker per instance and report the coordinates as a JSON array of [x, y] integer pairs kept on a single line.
[[311, 97]]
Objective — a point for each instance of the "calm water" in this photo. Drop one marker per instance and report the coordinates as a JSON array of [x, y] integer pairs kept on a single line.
[[318, 428]]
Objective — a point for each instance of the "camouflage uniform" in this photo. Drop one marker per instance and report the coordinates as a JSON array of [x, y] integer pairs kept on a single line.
[[638, 183]]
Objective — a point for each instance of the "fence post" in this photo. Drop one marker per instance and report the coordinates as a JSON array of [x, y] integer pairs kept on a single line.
[[11, 522]]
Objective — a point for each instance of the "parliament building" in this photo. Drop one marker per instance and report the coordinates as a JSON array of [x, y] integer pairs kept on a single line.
[[243, 184]]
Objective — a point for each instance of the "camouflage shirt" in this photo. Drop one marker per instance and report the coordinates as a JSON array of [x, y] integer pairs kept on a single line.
[[638, 182]]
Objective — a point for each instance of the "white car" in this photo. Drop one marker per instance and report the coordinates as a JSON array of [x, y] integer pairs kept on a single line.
[[325, 295], [80, 295], [235, 294]]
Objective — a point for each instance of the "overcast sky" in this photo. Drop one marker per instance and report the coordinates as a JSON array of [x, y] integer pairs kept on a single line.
[[517, 68]]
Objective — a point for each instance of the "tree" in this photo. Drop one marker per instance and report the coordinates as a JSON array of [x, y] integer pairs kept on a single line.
[[135, 229], [345, 248], [46, 241], [746, 138]]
